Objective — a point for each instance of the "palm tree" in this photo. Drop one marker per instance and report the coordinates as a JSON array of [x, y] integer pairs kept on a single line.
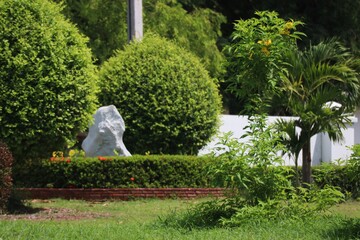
[[320, 86]]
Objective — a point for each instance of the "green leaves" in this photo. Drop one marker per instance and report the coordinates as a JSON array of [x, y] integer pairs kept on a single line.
[[168, 101], [47, 77], [255, 55], [321, 87], [116, 172], [197, 31], [249, 168]]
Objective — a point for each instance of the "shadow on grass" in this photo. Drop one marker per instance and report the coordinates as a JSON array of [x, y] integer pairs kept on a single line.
[[18, 206], [345, 229]]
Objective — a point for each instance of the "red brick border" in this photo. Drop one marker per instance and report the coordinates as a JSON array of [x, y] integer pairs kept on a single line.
[[117, 193]]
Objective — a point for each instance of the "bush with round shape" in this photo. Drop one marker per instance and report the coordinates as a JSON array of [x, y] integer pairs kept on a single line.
[[6, 161], [166, 97], [47, 78]]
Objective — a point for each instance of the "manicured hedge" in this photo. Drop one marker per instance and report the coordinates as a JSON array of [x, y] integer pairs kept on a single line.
[[116, 172], [155, 171]]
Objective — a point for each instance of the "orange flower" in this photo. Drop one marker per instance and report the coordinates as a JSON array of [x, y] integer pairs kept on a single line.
[[101, 158], [132, 179]]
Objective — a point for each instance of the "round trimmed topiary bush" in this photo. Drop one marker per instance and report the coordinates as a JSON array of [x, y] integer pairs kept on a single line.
[[47, 78], [169, 103], [6, 161]]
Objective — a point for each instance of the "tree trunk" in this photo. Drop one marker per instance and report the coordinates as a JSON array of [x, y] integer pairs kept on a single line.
[[306, 165]]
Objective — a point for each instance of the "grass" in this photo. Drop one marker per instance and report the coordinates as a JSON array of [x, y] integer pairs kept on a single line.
[[139, 220]]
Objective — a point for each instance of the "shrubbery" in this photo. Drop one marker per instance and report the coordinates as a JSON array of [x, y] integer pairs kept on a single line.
[[6, 161], [261, 191], [169, 103], [344, 175], [115, 172], [47, 80]]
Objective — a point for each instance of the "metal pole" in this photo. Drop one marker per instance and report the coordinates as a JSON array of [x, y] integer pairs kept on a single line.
[[135, 21]]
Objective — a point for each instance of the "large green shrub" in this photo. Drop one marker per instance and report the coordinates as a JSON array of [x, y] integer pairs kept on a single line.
[[47, 81], [166, 97], [6, 161]]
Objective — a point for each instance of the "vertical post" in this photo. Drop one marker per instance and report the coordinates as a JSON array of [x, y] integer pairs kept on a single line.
[[135, 21]]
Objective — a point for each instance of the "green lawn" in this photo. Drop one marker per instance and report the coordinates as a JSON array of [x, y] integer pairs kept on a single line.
[[139, 220]]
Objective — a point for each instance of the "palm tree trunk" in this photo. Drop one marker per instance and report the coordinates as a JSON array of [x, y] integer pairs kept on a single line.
[[306, 165]]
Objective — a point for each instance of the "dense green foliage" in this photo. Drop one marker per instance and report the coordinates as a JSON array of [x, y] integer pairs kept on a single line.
[[6, 161], [250, 168], [324, 18], [168, 101], [116, 172], [344, 175], [320, 86], [197, 31], [47, 82], [255, 56], [260, 191], [105, 23]]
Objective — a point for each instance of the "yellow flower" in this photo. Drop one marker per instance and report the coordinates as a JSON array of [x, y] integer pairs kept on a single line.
[[267, 42], [285, 32], [72, 152], [58, 154], [289, 25], [265, 50]]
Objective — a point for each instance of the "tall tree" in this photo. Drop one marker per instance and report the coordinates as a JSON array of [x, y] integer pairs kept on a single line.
[[321, 87], [105, 23], [197, 31]]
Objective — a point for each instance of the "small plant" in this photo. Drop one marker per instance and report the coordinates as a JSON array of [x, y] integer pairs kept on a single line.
[[253, 168], [6, 161]]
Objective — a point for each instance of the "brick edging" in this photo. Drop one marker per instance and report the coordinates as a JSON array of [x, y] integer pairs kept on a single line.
[[117, 193]]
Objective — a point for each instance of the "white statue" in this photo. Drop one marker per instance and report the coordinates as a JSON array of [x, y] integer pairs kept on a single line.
[[105, 136]]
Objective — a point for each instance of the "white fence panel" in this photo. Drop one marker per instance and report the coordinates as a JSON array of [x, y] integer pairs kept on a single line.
[[322, 148]]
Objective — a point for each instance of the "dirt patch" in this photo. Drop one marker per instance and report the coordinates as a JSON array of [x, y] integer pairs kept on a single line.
[[52, 214]]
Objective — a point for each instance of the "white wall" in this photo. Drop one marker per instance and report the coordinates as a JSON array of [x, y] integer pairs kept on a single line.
[[322, 149]]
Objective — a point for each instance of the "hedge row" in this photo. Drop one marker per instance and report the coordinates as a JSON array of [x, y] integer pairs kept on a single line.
[[116, 172], [346, 177], [153, 171]]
